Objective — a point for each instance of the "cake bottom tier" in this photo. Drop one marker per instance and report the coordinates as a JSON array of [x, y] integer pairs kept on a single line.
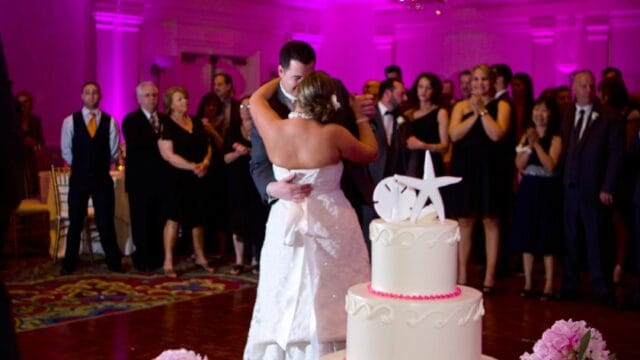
[[380, 328]]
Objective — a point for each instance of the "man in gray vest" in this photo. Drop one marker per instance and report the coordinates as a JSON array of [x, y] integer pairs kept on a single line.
[[90, 143]]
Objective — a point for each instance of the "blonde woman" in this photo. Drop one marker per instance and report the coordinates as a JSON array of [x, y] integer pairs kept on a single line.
[[477, 129], [185, 146]]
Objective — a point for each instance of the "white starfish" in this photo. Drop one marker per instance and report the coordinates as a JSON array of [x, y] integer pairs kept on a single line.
[[428, 188]]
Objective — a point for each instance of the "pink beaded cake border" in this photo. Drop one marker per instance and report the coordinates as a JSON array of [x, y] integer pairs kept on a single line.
[[450, 295]]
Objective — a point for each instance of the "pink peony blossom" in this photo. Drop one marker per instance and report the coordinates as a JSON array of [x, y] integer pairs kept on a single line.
[[562, 342], [181, 354]]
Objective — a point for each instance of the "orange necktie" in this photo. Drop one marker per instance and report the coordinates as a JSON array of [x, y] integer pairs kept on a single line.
[[91, 126]]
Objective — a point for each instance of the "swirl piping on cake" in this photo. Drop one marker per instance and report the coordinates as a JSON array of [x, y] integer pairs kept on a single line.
[[475, 313], [384, 312], [385, 294], [407, 238]]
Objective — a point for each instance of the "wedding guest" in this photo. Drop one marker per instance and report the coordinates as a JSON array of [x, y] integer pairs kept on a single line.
[[634, 152], [371, 87], [90, 143], [10, 195], [464, 83], [613, 93], [537, 224], [185, 146], [478, 127], [248, 214], [145, 175], [211, 114], [522, 91], [297, 314], [594, 144], [393, 72], [391, 139], [230, 112], [448, 94], [564, 100], [32, 143], [428, 123]]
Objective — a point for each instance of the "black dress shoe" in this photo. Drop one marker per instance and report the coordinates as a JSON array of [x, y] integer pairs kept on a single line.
[[488, 290]]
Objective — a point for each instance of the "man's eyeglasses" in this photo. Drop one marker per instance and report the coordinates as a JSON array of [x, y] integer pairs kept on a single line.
[[245, 106]]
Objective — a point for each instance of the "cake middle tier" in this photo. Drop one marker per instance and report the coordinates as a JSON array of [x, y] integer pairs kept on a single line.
[[410, 259]]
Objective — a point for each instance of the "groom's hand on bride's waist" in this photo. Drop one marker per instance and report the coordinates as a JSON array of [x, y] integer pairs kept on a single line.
[[286, 189]]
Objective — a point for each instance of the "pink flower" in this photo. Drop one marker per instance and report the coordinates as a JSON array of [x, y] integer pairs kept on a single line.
[[181, 354], [562, 342]]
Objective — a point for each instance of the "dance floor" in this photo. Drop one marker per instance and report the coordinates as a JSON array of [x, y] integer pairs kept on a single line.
[[217, 326]]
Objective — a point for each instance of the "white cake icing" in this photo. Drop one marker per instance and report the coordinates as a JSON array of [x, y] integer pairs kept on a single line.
[[412, 309], [414, 259], [381, 328]]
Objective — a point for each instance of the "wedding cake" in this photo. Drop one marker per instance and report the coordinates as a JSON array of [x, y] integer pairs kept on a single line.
[[412, 308]]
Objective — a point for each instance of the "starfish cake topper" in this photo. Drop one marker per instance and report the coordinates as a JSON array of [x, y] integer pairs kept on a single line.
[[428, 188]]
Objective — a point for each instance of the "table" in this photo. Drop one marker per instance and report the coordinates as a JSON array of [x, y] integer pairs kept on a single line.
[[122, 219]]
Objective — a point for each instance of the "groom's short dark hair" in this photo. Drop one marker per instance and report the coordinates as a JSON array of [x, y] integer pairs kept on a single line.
[[296, 50]]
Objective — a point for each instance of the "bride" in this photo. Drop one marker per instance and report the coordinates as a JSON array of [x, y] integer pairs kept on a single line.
[[314, 249]]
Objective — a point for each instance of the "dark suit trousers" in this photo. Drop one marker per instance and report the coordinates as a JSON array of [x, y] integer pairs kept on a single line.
[[583, 217], [146, 227], [101, 191], [8, 342], [637, 235]]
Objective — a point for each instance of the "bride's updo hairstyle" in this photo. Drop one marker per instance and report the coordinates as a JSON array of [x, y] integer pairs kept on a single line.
[[315, 94]]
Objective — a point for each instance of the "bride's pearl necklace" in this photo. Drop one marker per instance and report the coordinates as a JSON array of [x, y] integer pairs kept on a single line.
[[296, 114]]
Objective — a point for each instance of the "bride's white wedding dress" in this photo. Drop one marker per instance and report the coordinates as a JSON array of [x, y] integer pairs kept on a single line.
[[313, 252]]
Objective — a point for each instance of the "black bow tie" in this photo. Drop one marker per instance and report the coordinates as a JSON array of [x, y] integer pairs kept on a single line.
[[388, 112]]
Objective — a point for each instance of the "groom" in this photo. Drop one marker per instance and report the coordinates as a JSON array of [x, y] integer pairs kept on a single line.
[[297, 60]]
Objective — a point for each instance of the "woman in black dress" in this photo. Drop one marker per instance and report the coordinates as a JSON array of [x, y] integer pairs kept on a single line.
[[429, 123], [185, 145], [478, 128], [32, 143], [248, 214], [537, 224]]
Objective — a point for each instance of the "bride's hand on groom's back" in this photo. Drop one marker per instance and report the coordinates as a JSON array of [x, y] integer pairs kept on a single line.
[[286, 189]]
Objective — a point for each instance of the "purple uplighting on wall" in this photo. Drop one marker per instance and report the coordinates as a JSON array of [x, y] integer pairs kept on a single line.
[[119, 43]]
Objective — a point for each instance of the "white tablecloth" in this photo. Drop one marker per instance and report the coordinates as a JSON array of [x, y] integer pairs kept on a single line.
[[122, 219]]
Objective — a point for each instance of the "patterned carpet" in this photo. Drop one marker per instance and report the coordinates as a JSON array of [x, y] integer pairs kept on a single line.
[[41, 298]]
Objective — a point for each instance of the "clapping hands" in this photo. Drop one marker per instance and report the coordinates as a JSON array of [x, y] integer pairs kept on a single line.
[[532, 136], [241, 149]]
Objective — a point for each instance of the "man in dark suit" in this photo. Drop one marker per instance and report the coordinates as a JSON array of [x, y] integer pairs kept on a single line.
[[297, 60], [391, 143], [10, 180], [144, 178], [223, 87], [90, 143], [593, 143]]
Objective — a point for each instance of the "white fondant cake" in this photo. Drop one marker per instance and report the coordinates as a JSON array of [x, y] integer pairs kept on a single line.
[[413, 309], [414, 259]]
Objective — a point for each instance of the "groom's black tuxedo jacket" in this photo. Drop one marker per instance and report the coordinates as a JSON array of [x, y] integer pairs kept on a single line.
[[355, 182]]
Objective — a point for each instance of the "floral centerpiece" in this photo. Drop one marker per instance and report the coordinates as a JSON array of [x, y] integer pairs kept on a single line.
[[569, 340], [181, 354]]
